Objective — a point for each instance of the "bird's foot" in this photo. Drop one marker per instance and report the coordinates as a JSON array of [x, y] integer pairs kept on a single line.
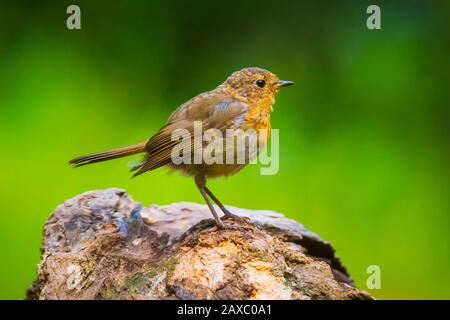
[[229, 215], [226, 226]]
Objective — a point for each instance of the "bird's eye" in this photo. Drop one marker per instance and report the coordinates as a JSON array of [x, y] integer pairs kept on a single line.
[[260, 83]]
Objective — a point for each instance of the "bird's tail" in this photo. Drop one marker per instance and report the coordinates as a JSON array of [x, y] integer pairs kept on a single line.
[[109, 154]]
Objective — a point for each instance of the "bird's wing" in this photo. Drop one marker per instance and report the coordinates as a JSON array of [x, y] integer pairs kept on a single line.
[[211, 110]]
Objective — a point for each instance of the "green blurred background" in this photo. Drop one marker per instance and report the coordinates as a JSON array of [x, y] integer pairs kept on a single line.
[[364, 132]]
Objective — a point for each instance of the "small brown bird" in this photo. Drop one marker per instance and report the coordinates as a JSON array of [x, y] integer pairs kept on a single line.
[[244, 101]]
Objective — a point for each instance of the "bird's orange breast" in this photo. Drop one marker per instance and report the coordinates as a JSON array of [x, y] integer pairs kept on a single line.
[[258, 118]]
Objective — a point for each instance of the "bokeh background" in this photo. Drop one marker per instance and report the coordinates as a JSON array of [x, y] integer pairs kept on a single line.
[[364, 132]]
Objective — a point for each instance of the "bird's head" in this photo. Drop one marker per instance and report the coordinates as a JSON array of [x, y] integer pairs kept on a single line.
[[254, 85]]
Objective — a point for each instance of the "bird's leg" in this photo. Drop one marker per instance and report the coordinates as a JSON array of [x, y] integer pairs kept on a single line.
[[201, 185], [227, 213], [200, 182]]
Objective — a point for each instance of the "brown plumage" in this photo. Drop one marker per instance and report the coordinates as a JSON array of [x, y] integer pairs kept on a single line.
[[244, 101]]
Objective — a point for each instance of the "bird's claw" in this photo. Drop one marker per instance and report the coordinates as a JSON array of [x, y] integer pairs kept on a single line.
[[223, 226], [229, 215]]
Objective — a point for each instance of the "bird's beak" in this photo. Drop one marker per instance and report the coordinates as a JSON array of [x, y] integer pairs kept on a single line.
[[284, 83]]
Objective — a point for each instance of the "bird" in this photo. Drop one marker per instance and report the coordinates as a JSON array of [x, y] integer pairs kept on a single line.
[[244, 101]]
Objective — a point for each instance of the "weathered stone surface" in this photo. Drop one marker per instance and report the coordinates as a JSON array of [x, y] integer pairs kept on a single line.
[[103, 245]]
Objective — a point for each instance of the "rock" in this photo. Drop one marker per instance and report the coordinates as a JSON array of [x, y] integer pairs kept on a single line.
[[103, 245]]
